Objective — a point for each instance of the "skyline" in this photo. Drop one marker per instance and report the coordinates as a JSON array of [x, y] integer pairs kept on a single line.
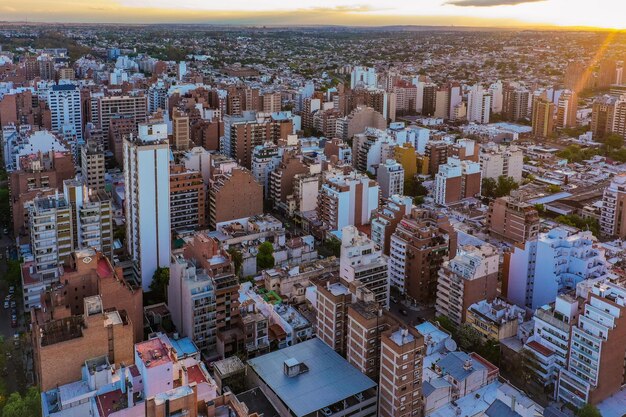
[[466, 13]]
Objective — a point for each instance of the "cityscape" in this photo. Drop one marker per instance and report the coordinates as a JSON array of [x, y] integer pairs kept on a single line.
[[321, 210]]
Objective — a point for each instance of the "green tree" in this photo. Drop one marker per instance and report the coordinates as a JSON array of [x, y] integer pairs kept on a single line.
[[489, 187], [553, 188], [237, 258], [468, 337], [580, 223], [265, 257], [613, 142], [158, 286], [446, 323], [414, 188], [27, 405], [540, 207], [505, 185], [589, 410]]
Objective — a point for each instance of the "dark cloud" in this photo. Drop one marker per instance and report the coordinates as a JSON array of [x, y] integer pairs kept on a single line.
[[488, 3]]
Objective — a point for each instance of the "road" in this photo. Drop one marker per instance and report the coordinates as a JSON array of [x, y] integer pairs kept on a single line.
[[16, 376], [414, 316]]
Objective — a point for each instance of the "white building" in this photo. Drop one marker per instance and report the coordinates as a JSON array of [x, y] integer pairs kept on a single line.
[[612, 212], [147, 199], [496, 90], [363, 261], [390, 178], [554, 262], [22, 142], [347, 200], [66, 109], [478, 105], [364, 77], [457, 180], [496, 160]]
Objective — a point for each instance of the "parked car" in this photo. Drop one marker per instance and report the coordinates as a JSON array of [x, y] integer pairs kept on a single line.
[[6, 303], [16, 339], [13, 305], [11, 289], [14, 321], [404, 312]]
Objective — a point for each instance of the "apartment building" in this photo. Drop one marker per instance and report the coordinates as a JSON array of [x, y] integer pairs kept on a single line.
[[390, 177], [386, 218], [552, 263], [282, 177], [180, 131], [347, 199], [422, 241], [471, 276], [515, 103], [612, 213], [566, 109], [265, 158], [597, 348], [132, 107], [497, 161], [120, 127], [512, 219], [66, 113], [92, 165], [192, 303], [495, 320], [478, 105], [188, 209], [401, 362], [542, 117], [147, 199], [234, 195], [436, 153], [457, 180], [362, 261], [332, 302]]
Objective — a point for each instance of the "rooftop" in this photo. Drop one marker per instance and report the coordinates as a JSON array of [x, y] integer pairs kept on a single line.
[[152, 352], [330, 378]]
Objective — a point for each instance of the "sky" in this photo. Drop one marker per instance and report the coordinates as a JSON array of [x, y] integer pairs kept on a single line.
[[490, 13]]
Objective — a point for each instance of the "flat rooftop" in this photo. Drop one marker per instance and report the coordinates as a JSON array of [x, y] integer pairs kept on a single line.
[[330, 378], [152, 352]]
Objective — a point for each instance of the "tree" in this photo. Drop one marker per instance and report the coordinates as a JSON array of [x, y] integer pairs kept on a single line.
[[265, 257], [589, 410], [28, 405], [237, 258], [158, 286], [613, 142], [505, 185], [580, 223], [489, 187], [468, 337], [553, 188], [414, 188]]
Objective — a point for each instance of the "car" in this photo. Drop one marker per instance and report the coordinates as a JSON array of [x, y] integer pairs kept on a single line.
[[16, 339], [6, 303], [5, 231], [403, 312], [11, 289], [13, 305], [14, 322]]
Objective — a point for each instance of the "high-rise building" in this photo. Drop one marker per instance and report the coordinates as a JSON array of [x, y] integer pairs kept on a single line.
[[66, 113], [363, 77], [512, 219], [542, 117], [234, 195], [607, 73], [119, 128], [430, 97], [147, 199], [347, 199], [436, 153], [566, 109], [603, 116], [478, 105], [612, 213], [333, 300], [390, 178], [420, 244], [515, 103], [180, 131], [92, 165], [405, 155], [578, 77], [282, 177], [496, 91], [272, 102], [595, 366], [109, 107], [457, 180], [552, 263], [471, 276], [187, 199], [401, 365], [362, 261]]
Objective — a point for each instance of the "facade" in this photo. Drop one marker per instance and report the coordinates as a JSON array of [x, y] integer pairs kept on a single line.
[[496, 161], [566, 109], [556, 261], [66, 112], [333, 300], [347, 199], [471, 276], [147, 199], [235, 195], [598, 345], [457, 180], [513, 220], [362, 261], [603, 115], [111, 107], [180, 131], [187, 199], [542, 117], [612, 213], [390, 176], [515, 103], [92, 165], [478, 105], [282, 177], [422, 241], [401, 362], [405, 155], [386, 218], [265, 158]]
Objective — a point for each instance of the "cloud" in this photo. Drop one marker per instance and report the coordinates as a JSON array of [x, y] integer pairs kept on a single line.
[[487, 3], [357, 8]]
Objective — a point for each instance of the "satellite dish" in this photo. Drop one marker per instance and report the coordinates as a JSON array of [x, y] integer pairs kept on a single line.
[[450, 345]]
